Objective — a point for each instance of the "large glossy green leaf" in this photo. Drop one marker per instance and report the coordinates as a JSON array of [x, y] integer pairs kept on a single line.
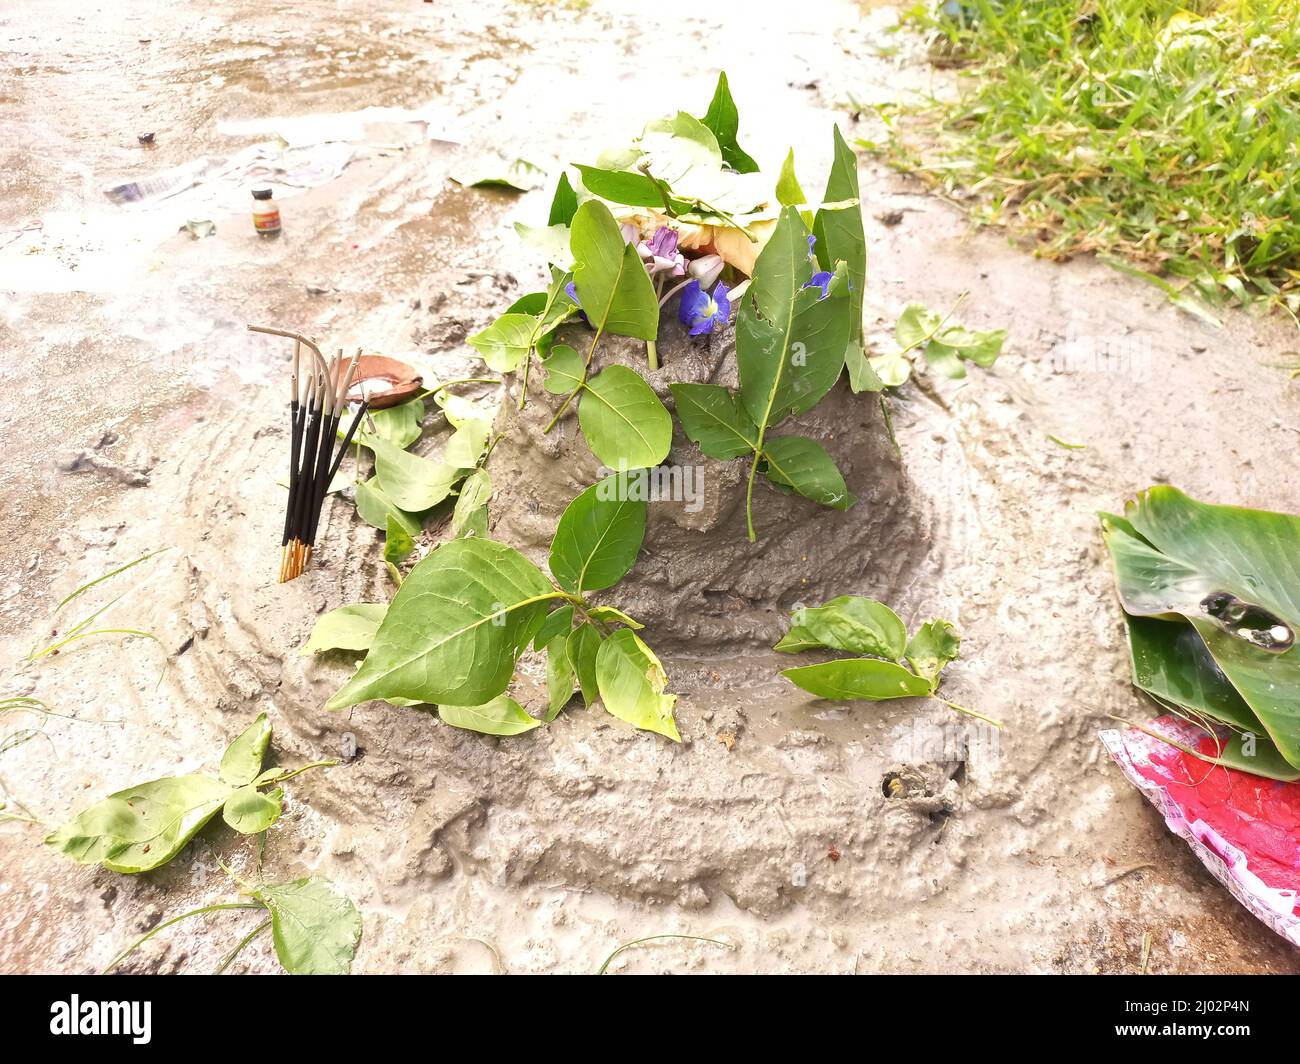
[[242, 760], [625, 424], [598, 537], [351, 627], [501, 716], [723, 120], [1177, 557], [858, 679], [1171, 662], [631, 682], [714, 419], [315, 926], [455, 628], [612, 285], [141, 827], [840, 238], [851, 623], [411, 482], [803, 465]]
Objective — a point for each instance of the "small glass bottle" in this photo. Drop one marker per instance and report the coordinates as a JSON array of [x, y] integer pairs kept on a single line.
[[266, 215]]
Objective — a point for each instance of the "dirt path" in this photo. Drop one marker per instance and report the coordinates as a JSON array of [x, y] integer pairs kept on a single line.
[[541, 854]]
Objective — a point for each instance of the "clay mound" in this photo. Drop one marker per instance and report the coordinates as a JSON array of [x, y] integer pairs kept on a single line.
[[699, 582]]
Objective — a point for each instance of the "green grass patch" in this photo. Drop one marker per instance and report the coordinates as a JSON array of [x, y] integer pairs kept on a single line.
[[1159, 132]]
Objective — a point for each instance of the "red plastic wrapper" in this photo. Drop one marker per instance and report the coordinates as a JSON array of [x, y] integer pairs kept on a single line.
[[1245, 829]]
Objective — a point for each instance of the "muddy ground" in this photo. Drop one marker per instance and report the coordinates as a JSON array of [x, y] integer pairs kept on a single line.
[[137, 413]]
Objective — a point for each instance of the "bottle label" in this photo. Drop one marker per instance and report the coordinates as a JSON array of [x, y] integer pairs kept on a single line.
[[268, 222]]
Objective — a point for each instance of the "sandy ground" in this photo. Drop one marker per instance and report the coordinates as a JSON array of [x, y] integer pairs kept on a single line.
[[137, 413]]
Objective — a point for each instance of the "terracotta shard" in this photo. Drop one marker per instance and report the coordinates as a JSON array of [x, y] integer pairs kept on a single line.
[[384, 381]]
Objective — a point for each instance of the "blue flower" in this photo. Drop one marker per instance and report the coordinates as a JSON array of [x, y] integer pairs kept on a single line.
[[821, 280], [701, 311], [571, 290]]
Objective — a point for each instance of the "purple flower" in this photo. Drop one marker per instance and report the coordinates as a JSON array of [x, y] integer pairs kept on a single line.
[[701, 311], [571, 290], [821, 280], [660, 254]]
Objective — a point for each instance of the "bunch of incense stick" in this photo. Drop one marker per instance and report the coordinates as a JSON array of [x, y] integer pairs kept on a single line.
[[317, 400]]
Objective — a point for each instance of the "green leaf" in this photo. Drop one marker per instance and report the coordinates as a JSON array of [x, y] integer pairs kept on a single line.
[[840, 238], [563, 368], [631, 682], [613, 287], [714, 420], [620, 186], [501, 716], [892, 370], [558, 622], [723, 120], [455, 628], [858, 679], [613, 615], [598, 537], [625, 424], [346, 628], [315, 926], [475, 491], [789, 193], [1171, 662], [561, 681], [582, 650], [1234, 574], [518, 175], [466, 445], [916, 324], [141, 827], [933, 645], [375, 508], [249, 811], [242, 760], [789, 343], [505, 343], [564, 204], [411, 482], [399, 425], [551, 241], [804, 466], [398, 543], [850, 623]]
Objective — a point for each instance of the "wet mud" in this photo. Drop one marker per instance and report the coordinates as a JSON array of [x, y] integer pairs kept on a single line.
[[137, 413]]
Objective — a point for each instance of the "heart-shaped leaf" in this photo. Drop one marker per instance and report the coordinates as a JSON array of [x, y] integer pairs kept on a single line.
[[625, 424], [598, 537], [315, 926]]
